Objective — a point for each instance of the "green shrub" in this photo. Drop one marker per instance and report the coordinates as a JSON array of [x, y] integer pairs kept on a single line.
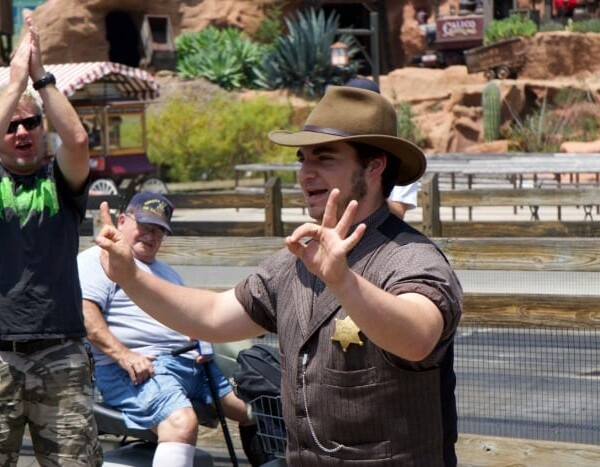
[[507, 28], [552, 26], [205, 141], [300, 60], [586, 25], [272, 26], [570, 115], [407, 129], [222, 56]]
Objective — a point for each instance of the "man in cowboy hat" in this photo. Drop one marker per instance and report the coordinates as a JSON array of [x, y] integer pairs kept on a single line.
[[402, 198], [364, 306]]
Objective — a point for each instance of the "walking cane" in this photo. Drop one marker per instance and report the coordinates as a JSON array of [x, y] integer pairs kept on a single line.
[[205, 350]]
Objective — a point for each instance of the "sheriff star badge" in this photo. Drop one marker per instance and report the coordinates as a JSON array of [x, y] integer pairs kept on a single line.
[[346, 333]]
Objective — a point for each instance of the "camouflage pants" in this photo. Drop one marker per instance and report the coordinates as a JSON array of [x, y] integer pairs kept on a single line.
[[51, 391]]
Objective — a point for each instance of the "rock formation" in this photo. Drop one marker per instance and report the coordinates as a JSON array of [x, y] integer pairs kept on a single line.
[[446, 102], [74, 31]]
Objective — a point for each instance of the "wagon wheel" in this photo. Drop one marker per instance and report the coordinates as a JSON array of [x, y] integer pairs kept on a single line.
[[104, 186], [490, 74], [155, 185], [503, 72]]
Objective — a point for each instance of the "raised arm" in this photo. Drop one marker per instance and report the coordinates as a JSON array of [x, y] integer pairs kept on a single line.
[[17, 82], [73, 153], [201, 314]]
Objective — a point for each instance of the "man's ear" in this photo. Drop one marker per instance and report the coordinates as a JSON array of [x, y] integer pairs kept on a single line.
[[120, 219], [377, 165]]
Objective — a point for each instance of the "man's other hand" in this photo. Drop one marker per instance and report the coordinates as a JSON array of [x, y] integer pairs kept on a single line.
[[116, 256]]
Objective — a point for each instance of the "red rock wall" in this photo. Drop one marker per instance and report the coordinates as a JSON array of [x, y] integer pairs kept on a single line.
[[73, 30]]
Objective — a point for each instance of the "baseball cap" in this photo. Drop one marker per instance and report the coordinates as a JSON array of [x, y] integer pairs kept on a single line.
[[151, 208], [364, 83]]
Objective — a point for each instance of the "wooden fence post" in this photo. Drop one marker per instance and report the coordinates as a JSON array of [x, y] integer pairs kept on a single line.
[[430, 204], [273, 206]]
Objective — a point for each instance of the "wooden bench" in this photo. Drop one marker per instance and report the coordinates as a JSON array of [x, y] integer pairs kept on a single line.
[[220, 262], [432, 199]]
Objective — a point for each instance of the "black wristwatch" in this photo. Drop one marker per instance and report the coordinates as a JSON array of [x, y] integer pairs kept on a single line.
[[44, 81]]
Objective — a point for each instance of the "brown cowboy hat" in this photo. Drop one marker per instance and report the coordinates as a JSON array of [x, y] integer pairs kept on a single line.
[[351, 114]]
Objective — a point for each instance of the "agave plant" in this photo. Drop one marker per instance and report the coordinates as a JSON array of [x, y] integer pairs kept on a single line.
[[222, 56], [300, 60]]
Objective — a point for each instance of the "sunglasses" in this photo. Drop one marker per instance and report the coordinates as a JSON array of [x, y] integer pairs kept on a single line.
[[29, 123]]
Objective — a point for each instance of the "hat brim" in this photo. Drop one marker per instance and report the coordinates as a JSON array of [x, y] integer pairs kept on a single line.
[[412, 160], [145, 218]]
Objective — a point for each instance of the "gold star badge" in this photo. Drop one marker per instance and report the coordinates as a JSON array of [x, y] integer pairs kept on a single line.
[[346, 333]]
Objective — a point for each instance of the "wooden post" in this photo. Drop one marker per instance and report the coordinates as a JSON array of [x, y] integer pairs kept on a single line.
[[273, 206], [430, 203]]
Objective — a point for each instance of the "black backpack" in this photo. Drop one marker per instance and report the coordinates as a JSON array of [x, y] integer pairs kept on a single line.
[[258, 372]]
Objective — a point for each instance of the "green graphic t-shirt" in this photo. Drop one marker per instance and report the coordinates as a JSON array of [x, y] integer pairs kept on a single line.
[[39, 233]]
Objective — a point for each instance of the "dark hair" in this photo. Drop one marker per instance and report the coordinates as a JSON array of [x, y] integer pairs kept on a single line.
[[366, 153]]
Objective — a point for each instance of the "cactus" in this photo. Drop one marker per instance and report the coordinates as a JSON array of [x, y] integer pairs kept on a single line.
[[490, 101]]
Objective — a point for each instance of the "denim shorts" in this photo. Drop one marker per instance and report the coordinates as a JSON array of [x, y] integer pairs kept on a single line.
[[176, 381]]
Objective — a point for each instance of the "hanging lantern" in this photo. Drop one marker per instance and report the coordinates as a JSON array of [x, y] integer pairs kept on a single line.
[[339, 54]]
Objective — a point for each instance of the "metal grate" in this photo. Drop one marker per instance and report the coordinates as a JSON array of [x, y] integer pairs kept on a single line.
[[271, 429], [531, 383]]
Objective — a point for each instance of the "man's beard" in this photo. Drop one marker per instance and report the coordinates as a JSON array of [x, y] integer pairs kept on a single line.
[[358, 190]]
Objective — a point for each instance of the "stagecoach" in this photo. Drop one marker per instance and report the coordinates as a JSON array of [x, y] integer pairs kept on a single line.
[[110, 99]]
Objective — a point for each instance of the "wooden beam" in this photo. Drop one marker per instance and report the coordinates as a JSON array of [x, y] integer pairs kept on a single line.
[[273, 205], [218, 200], [522, 254], [518, 228], [231, 199], [503, 309], [531, 310], [565, 196], [479, 450], [510, 254], [114, 201], [429, 201]]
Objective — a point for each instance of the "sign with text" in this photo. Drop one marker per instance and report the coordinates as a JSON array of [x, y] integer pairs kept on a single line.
[[459, 31]]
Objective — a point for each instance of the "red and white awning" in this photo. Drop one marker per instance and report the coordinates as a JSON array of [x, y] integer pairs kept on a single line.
[[94, 80]]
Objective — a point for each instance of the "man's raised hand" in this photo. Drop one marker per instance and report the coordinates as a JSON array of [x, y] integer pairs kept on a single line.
[[36, 68], [19, 62], [325, 255], [116, 256]]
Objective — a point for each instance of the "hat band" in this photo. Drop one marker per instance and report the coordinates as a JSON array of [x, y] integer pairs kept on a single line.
[[329, 131]]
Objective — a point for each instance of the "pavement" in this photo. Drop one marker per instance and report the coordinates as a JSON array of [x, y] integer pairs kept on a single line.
[[210, 440]]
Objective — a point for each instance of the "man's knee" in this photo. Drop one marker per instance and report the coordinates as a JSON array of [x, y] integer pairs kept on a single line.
[[181, 427]]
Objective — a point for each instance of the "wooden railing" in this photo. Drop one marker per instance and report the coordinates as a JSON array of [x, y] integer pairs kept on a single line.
[[432, 199], [272, 200], [480, 254]]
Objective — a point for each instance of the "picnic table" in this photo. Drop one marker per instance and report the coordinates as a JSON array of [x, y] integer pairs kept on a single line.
[[511, 166], [558, 165]]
